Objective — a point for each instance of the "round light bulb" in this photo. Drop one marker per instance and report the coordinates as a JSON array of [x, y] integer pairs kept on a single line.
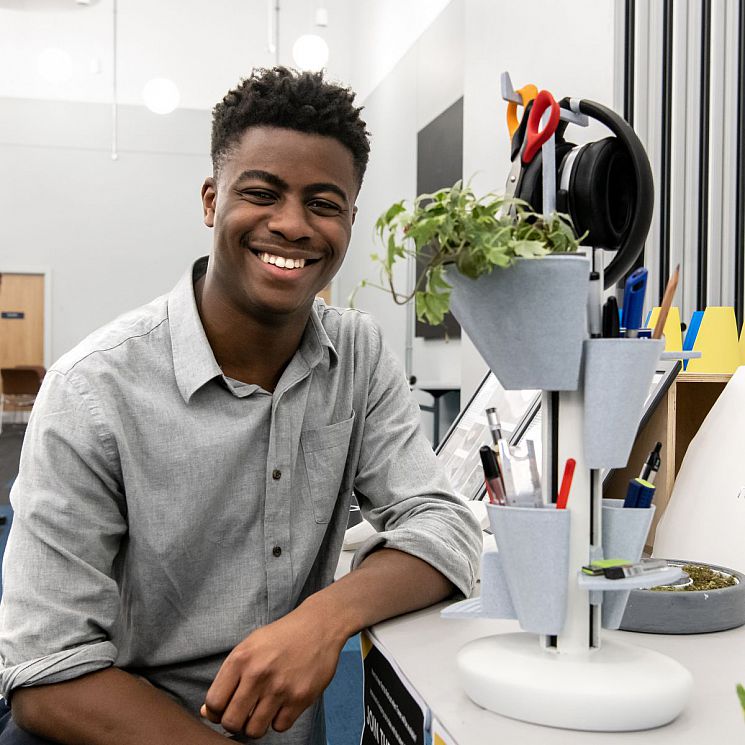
[[161, 95], [310, 52], [55, 65]]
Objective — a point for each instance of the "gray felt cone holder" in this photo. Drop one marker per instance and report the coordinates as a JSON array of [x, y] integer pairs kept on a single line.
[[527, 321], [625, 531], [533, 547], [617, 375], [496, 601]]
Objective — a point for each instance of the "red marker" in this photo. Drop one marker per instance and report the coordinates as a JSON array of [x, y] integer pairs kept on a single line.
[[566, 484]]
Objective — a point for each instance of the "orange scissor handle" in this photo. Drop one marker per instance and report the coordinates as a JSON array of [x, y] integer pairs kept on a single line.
[[535, 138], [527, 93]]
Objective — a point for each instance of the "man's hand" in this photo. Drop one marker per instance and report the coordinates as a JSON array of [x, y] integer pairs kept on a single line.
[[276, 673], [279, 670]]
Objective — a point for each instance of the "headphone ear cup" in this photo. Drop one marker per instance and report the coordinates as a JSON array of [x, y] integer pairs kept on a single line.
[[530, 188], [601, 196]]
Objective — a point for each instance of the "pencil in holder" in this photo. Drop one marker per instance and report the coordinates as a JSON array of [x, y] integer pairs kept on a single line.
[[625, 532], [496, 601], [533, 545], [617, 377]]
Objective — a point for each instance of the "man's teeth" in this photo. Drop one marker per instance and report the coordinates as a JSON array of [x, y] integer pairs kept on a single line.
[[281, 261]]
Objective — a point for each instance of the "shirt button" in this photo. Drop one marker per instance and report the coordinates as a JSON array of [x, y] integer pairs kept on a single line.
[[276, 474], [277, 551]]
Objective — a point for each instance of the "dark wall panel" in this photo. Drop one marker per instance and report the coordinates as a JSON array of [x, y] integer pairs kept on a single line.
[[439, 165]]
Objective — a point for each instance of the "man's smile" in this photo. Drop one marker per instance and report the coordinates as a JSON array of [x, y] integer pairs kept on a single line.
[[286, 263]]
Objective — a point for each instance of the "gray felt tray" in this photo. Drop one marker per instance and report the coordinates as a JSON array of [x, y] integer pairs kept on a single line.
[[681, 612]]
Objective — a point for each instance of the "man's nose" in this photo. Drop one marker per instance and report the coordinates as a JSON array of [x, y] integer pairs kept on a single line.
[[290, 220]]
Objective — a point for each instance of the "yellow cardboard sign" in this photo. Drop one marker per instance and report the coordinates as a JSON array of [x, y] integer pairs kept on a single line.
[[717, 341], [673, 335]]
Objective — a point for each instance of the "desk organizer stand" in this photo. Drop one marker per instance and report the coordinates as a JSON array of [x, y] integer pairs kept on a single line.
[[556, 672]]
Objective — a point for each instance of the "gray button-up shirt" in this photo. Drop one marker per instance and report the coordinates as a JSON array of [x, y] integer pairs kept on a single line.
[[162, 512]]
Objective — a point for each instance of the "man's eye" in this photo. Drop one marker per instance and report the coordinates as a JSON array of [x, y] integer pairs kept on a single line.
[[258, 195], [324, 208]]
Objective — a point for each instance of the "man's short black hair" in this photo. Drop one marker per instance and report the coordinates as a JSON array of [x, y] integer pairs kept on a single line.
[[280, 97]]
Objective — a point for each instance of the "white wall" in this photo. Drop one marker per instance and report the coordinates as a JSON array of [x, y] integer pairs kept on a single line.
[[566, 47], [384, 31], [115, 234], [424, 82]]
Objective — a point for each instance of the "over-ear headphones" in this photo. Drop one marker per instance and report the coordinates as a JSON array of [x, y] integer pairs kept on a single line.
[[606, 186]]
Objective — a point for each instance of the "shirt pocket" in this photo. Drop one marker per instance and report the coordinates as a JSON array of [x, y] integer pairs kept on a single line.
[[325, 453]]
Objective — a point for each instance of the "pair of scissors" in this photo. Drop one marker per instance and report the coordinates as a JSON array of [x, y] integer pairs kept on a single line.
[[535, 137], [528, 142], [527, 93]]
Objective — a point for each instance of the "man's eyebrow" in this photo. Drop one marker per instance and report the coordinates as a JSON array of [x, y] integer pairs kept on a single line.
[[270, 178], [326, 186]]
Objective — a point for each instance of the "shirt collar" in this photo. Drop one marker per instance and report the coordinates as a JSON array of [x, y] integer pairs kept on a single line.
[[194, 362]]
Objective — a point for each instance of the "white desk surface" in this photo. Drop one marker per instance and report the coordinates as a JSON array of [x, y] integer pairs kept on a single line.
[[424, 647]]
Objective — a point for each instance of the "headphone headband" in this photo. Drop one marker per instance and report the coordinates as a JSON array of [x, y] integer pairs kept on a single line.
[[633, 244], [605, 186]]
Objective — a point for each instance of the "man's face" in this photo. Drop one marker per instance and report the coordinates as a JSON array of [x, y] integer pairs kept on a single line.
[[282, 209]]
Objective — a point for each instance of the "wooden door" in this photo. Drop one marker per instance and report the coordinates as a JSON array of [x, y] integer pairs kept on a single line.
[[21, 319]]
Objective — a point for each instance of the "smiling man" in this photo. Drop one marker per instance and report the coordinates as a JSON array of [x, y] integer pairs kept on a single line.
[[187, 473]]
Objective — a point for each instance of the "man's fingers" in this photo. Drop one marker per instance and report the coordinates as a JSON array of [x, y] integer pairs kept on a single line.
[[240, 708], [220, 692], [285, 718], [207, 713], [262, 716]]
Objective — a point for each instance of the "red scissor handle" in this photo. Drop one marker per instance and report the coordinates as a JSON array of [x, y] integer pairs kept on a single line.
[[535, 139]]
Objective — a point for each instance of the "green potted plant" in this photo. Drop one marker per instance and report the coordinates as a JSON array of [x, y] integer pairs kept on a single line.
[[513, 280]]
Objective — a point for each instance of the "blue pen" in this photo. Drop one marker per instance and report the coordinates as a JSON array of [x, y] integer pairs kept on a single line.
[[633, 301]]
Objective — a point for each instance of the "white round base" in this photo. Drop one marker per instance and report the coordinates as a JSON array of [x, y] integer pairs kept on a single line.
[[616, 688]]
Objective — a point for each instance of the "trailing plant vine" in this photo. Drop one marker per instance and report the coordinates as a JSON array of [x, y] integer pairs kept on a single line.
[[454, 227]]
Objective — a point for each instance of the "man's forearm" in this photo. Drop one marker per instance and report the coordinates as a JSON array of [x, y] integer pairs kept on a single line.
[[108, 707], [386, 584]]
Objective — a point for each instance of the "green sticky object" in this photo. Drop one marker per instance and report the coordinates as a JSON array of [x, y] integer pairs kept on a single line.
[[741, 696], [599, 566]]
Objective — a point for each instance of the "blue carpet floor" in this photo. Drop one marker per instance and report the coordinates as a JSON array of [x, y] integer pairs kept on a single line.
[[7, 513], [343, 698]]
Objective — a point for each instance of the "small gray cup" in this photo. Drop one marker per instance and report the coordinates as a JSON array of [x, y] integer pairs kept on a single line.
[[617, 377], [533, 545], [625, 531]]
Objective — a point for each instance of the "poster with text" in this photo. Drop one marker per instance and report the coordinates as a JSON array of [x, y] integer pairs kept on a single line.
[[394, 714]]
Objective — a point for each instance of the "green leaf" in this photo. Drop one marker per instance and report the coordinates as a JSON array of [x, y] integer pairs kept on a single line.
[[529, 249], [475, 234], [741, 696]]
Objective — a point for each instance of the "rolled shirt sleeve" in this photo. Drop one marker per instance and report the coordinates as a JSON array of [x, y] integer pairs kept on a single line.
[[60, 600], [402, 488]]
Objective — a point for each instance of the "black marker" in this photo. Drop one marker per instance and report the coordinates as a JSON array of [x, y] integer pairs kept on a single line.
[[649, 472]]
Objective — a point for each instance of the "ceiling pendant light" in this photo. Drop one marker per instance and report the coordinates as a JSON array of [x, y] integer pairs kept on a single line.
[[161, 95], [310, 52]]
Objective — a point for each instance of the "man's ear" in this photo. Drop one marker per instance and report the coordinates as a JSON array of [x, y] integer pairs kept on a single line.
[[354, 213], [209, 197]]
